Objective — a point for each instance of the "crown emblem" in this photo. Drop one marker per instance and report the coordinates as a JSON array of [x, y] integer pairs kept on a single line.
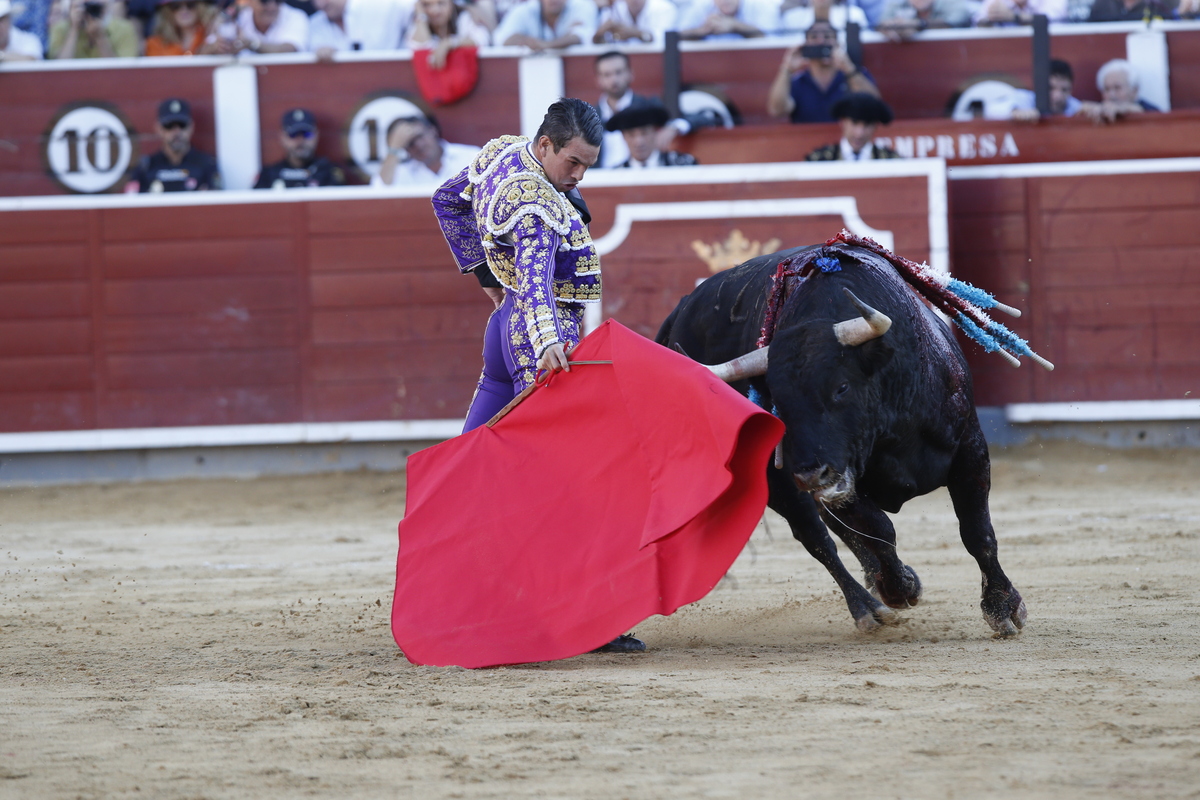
[[736, 249], [175, 106], [297, 115]]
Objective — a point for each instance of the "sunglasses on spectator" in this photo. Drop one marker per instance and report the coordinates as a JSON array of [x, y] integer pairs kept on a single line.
[[175, 126]]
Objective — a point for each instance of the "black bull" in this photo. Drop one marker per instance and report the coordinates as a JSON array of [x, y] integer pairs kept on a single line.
[[870, 425]]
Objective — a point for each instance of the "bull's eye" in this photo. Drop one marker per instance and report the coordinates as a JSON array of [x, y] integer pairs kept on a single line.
[[841, 391]]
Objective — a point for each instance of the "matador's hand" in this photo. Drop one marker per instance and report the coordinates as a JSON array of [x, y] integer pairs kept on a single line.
[[554, 358], [495, 293]]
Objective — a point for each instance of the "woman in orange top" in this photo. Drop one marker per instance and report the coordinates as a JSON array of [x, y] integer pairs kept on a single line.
[[181, 28]]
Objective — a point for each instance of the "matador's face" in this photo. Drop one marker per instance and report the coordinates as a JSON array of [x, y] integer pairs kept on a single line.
[[565, 168]]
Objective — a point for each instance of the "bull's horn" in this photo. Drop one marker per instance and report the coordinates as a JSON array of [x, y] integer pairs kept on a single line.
[[871, 325], [747, 366]]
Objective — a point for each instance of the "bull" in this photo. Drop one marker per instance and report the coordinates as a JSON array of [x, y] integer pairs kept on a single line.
[[876, 397]]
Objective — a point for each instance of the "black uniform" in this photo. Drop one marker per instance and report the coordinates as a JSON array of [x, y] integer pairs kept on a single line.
[[321, 172], [156, 174], [666, 158], [833, 152]]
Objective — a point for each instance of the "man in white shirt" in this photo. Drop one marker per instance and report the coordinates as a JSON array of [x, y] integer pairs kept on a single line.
[[634, 21], [266, 26], [728, 19], [614, 75], [547, 24], [16, 44], [341, 25], [418, 155]]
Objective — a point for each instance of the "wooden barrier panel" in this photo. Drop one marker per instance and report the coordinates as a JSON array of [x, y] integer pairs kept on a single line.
[[343, 305], [33, 101], [1102, 255], [1174, 135], [336, 91]]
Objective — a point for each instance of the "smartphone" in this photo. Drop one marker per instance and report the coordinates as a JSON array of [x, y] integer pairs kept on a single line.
[[816, 51], [94, 9]]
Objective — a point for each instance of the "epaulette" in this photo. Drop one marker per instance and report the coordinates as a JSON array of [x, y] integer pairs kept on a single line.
[[491, 155], [525, 194]]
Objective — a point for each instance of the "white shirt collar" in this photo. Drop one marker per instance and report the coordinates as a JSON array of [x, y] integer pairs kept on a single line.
[[848, 154]]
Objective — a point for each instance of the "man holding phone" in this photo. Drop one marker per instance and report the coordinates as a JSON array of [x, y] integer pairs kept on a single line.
[[814, 75], [90, 30]]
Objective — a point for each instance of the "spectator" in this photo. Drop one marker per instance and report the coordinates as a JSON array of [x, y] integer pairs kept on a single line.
[[799, 15], [860, 115], [727, 19], [34, 18], [1129, 11], [181, 28], [442, 26], [342, 25], [634, 20], [614, 76], [92, 30], [1062, 104], [995, 13], [1118, 83], [640, 124], [177, 167], [16, 44], [300, 167], [903, 19], [417, 154], [815, 75], [547, 24], [1187, 9], [265, 26]]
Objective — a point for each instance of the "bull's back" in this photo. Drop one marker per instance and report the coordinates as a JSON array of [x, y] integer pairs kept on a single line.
[[723, 317]]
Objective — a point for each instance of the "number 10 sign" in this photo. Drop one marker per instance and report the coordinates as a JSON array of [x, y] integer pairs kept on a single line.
[[88, 149], [367, 138]]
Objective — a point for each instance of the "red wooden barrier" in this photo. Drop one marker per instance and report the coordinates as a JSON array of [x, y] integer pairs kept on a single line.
[[252, 308], [1174, 135], [1104, 261]]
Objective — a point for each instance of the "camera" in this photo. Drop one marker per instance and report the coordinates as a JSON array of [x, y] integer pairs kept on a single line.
[[816, 51], [94, 9]]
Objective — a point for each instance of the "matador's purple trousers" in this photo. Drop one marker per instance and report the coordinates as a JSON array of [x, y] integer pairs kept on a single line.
[[501, 379]]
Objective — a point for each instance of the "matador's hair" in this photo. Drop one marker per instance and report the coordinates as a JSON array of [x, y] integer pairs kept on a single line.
[[569, 118]]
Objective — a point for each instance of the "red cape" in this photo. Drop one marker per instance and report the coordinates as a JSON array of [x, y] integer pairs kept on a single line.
[[614, 492]]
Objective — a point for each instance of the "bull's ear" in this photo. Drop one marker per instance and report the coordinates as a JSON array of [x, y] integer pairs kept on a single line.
[[875, 355]]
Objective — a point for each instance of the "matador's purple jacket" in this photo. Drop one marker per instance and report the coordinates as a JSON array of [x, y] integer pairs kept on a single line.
[[503, 210]]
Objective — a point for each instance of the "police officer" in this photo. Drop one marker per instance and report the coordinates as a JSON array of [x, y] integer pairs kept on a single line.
[[299, 168], [177, 167]]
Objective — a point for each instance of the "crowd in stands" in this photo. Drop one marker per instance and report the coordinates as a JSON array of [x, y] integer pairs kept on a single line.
[[128, 28], [816, 82]]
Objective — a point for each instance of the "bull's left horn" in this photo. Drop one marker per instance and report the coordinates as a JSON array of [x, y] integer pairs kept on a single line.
[[871, 325], [747, 366]]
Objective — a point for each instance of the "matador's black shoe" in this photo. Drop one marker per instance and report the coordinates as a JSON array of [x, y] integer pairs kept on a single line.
[[623, 644]]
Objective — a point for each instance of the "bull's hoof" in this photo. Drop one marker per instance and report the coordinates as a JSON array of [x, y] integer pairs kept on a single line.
[[1008, 617], [876, 618], [905, 595]]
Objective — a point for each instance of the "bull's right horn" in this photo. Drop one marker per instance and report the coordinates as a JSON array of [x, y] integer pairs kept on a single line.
[[870, 325], [747, 366]]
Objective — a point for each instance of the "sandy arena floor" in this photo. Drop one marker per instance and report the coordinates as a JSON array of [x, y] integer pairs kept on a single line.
[[230, 639]]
